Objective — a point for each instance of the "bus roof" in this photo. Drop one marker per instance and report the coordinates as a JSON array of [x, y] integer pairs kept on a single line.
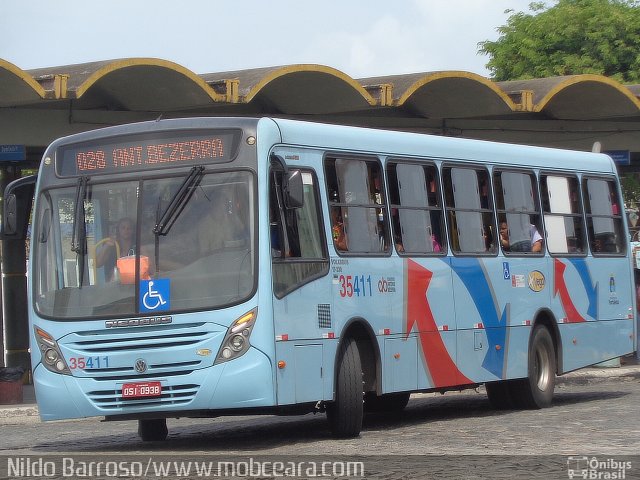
[[393, 143], [340, 138]]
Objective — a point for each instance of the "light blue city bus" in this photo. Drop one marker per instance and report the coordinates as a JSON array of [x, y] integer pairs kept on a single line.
[[220, 266]]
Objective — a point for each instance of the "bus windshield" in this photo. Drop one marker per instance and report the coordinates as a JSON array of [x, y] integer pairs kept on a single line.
[[91, 259]]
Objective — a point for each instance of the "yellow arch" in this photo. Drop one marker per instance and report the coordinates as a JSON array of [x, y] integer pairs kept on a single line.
[[582, 79], [432, 77], [283, 71], [147, 62], [24, 76]]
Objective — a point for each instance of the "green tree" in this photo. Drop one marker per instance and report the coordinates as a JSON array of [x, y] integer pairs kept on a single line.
[[630, 190], [571, 37]]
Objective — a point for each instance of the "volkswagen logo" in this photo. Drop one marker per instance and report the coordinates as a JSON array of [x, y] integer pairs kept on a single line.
[[140, 365]]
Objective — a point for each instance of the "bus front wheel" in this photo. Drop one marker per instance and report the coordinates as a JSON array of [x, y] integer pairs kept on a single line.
[[153, 430], [345, 413], [536, 390]]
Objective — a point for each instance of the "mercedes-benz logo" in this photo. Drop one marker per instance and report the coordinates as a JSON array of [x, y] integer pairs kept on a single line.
[[140, 365]]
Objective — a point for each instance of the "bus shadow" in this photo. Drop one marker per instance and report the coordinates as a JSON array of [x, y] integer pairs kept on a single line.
[[443, 409], [268, 433]]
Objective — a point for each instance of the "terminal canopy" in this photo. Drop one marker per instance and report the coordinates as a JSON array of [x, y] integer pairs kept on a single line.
[[567, 112]]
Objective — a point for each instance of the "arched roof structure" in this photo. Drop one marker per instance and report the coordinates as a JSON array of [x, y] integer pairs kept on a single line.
[[40, 105], [133, 84], [148, 84], [17, 87], [446, 94], [297, 89], [579, 96]]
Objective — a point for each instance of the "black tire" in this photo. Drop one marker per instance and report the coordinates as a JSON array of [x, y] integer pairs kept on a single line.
[[499, 394], [153, 430], [536, 391], [346, 411], [388, 403]]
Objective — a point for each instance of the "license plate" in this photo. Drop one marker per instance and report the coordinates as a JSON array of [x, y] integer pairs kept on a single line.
[[141, 390]]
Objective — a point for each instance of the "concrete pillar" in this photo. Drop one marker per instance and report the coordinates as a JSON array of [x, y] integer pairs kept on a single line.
[[14, 293]]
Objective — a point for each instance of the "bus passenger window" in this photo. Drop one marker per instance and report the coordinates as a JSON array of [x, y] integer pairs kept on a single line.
[[518, 213], [358, 212], [416, 209], [470, 210], [562, 214], [604, 219]]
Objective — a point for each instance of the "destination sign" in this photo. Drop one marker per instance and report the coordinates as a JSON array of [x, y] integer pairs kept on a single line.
[[142, 152]]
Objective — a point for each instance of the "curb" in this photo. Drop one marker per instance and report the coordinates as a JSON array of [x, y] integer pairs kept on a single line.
[[592, 375], [10, 411]]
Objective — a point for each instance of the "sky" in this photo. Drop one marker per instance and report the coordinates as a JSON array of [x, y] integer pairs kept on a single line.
[[364, 38]]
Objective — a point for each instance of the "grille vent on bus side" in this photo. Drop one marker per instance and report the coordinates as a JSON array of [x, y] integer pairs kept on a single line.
[[324, 315]]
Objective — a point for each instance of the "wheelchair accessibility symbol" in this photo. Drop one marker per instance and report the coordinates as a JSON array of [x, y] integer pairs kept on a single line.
[[154, 295]]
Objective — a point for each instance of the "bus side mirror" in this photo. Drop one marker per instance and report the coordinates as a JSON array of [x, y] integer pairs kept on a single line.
[[293, 191], [18, 199]]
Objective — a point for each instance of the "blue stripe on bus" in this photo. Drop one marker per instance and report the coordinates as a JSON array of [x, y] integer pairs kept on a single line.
[[582, 268], [473, 276]]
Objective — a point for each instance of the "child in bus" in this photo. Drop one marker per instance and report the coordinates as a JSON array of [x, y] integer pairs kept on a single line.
[[337, 229]]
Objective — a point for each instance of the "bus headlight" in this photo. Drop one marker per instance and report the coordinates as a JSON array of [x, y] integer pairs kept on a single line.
[[52, 358], [236, 341]]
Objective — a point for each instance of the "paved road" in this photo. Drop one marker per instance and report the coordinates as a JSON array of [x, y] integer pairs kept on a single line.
[[601, 419]]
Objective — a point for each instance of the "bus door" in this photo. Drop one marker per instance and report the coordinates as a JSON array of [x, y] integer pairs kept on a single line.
[[520, 279], [607, 236], [301, 293], [427, 346], [477, 274]]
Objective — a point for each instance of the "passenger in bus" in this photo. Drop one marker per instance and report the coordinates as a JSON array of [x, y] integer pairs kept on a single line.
[[435, 245], [536, 239], [123, 245], [488, 237], [337, 230], [484, 193], [605, 243]]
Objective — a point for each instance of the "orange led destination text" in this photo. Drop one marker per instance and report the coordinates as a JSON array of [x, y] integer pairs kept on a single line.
[[150, 154]]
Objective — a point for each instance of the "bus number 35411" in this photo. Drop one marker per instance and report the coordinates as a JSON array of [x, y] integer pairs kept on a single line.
[[355, 285]]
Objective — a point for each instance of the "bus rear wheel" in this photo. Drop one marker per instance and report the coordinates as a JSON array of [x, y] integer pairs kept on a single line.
[[346, 411], [536, 391], [153, 430]]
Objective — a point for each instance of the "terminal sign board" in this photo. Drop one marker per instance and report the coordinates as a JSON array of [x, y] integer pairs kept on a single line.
[[13, 153], [620, 157]]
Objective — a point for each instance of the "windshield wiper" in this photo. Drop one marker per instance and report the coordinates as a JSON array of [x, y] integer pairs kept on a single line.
[[78, 231], [170, 214], [79, 228]]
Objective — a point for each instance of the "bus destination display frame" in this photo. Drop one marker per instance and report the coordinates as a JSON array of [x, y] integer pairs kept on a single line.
[[136, 152]]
